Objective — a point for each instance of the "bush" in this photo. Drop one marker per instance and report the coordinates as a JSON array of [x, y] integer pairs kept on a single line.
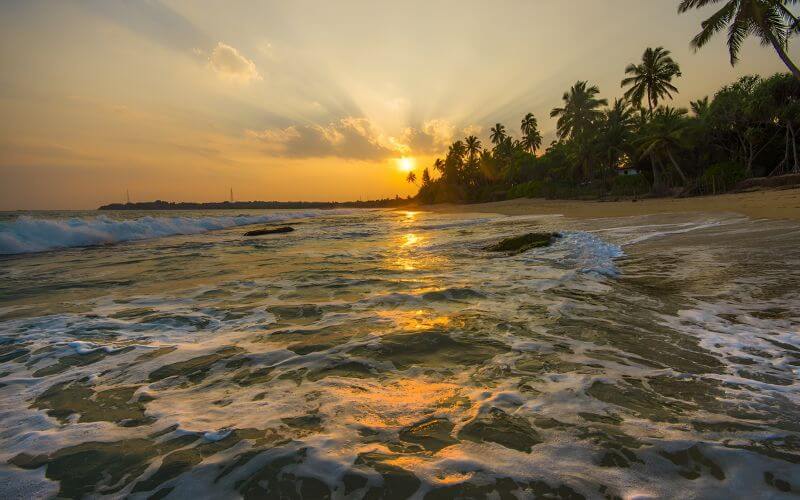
[[532, 189], [721, 177], [629, 185], [554, 190]]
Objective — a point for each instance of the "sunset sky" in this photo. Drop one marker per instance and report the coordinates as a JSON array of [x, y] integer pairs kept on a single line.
[[183, 100]]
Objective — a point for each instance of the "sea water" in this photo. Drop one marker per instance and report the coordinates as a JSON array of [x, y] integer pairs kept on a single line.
[[387, 354]]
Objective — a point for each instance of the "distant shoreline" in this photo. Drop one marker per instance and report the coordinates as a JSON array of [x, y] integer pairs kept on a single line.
[[256, 205]]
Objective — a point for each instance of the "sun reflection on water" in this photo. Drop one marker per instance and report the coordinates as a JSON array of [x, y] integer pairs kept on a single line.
[[410, 239], [403, 402], [415, 320]]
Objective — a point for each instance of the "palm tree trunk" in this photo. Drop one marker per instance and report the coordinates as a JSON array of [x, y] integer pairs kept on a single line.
[[784, 56], [677, 167], [658, 182], [785, 160], [796, 168]]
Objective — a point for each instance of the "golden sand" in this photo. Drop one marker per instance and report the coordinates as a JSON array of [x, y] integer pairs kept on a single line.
[[766, 204]]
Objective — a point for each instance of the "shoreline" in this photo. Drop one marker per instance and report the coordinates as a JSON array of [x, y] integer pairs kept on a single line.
[[775, 204]]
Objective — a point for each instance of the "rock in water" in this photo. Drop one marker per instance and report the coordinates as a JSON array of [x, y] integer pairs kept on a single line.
[[519, 244], [499, 427], [269, 230]]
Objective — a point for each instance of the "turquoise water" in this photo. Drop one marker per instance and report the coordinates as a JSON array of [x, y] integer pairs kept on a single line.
[[387, 354]]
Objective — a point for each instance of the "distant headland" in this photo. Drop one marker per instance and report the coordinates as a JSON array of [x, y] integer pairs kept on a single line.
[[251, 205]]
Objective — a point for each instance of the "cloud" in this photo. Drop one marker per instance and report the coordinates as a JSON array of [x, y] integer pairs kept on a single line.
[[351, 138], [472, 130], [230, 63], [433, 137], [356, 138]]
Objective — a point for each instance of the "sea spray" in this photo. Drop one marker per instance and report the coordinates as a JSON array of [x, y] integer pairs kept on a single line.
[[29, 234]]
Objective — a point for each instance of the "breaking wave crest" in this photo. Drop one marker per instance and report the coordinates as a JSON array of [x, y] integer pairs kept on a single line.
[[28, 234]]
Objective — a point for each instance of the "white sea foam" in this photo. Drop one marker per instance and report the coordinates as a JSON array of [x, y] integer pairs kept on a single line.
[[593, 254], [431, 306], [28, 234]]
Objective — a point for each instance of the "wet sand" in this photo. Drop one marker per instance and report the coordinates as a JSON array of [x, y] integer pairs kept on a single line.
[[779, 204]]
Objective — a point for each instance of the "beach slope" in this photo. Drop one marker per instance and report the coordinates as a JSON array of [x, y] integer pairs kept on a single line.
[[778, 204]]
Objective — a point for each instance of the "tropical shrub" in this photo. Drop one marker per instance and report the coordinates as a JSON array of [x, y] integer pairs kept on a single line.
[[629, 185], [721, 177]]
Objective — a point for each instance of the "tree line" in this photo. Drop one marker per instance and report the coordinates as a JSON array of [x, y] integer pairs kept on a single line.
[[747, 128]]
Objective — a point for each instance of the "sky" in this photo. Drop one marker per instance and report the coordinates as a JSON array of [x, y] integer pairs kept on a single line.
[[184, 100]]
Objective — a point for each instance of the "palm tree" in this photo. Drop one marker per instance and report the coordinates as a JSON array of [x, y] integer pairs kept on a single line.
[[426, 177], [457, 150], [665, 134], [454, 162], [498, 133], [411, 178], [616, 132], [473, 145], [769, 20], [699, 107], [439, 165], [580, 111], [531, 138], [531, 142], [651, 78], [528, 124], [575, 120]]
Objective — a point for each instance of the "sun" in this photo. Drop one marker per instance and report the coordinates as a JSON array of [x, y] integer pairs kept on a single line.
[[406, 164]]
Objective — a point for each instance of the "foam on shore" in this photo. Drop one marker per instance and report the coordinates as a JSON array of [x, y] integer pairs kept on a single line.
[[28, 234]]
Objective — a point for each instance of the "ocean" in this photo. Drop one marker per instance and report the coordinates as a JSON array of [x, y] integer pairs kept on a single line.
[[388, 354]]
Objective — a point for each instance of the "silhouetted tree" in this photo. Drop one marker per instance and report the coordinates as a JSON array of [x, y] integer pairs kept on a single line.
[[651, 78], [498, 133], [769, 20], [531, 138]]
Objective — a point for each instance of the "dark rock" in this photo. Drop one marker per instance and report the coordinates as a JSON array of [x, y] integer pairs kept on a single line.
[[269, 230], [519, 244], [499, 427], [195, 369], [397, 482], [692, 463], [433, 434], [77, 397]]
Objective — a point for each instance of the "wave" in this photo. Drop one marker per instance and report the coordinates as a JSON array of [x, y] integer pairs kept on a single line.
[[29, 234], [591, 254], [452, 224]]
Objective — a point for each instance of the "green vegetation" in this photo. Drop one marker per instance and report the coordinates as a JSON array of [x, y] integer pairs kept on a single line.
[[747, 129], [771, 21]]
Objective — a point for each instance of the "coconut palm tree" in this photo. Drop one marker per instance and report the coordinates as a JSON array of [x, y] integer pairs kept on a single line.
[[581, 109], [699, 107], [426, 177], [769, 20], [665, 135], [531, 137], [498, 133], [528, 124], [651, 78], [473, 145], [454, 162], [457, 150], [576, 119], [615, 134], [531, 141], [411, 178]]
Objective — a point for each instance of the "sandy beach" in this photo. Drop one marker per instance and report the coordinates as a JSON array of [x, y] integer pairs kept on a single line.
[[778, 204]]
